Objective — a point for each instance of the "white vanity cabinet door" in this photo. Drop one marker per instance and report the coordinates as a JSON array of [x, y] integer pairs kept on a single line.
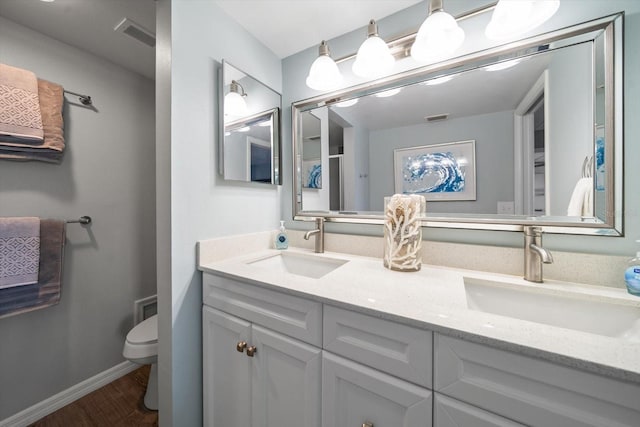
[[353, 395], [391, 347], [453, 413], [532, 391], [226, 372], [286, 381], [278, 387]]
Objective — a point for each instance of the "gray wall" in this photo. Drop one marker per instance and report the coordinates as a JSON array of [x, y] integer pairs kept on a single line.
[[493, 134], [296, 67], [203, 205], [107, 173]]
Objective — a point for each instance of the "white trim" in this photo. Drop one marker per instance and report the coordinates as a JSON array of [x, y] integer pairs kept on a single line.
[[65, 397], [523, 148]]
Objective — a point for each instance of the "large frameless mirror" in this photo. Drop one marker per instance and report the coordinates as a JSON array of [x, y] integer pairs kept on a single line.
[[250, 141], [528, 133]]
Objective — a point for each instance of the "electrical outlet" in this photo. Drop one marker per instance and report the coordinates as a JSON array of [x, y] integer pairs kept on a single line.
[[505, 208]]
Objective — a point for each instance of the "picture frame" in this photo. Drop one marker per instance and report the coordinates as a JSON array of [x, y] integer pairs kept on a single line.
[[440, 172], [312, 174]]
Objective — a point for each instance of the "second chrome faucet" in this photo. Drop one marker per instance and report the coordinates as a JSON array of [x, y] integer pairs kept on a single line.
[[319, 233], [534, 254]]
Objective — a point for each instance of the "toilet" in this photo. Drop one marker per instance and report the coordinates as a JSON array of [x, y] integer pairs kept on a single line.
[[141, 346]]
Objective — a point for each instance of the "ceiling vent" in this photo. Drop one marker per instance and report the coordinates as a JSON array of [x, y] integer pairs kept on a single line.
[[436, 118], [137, 31]]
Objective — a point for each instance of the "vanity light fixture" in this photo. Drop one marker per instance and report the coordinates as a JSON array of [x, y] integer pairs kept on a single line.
[[438, 37], [234, 103], [347, 103], [438, 80], [244, 129], [388, 93], [514, 17], [324, 73], [503, 65], [374, 58]]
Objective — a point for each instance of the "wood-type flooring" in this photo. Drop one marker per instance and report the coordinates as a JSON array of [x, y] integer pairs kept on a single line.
[[117, 404]]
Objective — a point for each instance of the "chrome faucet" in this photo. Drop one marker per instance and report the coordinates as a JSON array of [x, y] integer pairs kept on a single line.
[[319, 233], [534, 254]]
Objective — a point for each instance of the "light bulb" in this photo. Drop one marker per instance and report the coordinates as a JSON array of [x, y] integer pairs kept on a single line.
[[234, 105], [511, 18], [438, 37], [374, 58], [324, 73]]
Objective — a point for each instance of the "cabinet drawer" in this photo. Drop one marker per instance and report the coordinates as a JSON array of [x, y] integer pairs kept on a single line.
[[353, 395], [397, 349], [529, 390], [453, 413], [292, 316]]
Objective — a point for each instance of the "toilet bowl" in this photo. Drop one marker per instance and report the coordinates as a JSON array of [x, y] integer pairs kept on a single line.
[[141, 346]]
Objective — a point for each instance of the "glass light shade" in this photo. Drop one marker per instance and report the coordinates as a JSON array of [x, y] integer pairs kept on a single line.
[[438, 37], [511, 18], [234, 105], [373, 59], [503, 65], [347, 103], [389, 92], [324, 74]]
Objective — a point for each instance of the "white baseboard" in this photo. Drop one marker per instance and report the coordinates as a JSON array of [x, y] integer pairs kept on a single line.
[[42, 409]]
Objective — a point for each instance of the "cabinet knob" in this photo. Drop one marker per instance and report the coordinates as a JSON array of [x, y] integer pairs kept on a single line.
[[241, 346], [251, 350], [367, 424]]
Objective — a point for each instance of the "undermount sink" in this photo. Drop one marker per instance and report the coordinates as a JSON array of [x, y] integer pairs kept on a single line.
[[300, 264], [557, 308]]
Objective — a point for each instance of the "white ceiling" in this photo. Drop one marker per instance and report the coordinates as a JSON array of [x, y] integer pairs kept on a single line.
[[284, 26], [89, 24]]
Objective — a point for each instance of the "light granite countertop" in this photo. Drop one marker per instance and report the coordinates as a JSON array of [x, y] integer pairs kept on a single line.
[[434, 298]]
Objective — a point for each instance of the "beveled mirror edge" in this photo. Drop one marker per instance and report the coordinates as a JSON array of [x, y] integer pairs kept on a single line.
[[276, 131], [612, 25]]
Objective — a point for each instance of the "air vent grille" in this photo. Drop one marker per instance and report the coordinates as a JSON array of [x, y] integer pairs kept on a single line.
[[137, 31]]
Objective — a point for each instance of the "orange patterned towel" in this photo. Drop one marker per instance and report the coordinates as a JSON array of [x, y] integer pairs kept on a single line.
[[20, 117]]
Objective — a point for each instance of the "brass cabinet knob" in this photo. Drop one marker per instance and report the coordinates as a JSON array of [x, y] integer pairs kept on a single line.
[[251, 350], [241, 346], [367, 424]]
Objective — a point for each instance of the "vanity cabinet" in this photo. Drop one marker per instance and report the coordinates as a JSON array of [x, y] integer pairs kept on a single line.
[[253, 375], [315, 365], [449, 412], [393, 389], [355, 395], [531, 391]]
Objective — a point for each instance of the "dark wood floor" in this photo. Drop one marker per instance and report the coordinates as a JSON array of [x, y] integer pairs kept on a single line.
[[118, 404]]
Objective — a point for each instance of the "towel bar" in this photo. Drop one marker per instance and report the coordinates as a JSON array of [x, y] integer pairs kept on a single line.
[[82, 220], [84, 99]]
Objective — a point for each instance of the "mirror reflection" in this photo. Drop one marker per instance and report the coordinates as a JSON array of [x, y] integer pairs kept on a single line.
[[250, 148], [520, 135]]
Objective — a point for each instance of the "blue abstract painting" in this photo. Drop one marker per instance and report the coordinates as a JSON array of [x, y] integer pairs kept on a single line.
[[439, 172], [600, 174], [312, 174], [432, 173]]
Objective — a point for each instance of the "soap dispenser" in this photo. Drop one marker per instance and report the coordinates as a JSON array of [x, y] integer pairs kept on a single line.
[[632, 274], [282, 241]]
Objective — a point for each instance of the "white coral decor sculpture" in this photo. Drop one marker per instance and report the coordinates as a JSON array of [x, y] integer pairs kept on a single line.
[[403, 232]]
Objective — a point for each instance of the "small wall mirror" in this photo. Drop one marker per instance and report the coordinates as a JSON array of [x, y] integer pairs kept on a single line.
[[250, 142], [528, 133]]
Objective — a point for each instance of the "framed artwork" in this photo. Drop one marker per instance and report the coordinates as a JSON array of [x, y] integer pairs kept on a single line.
[[440, 172], [599, 163], [312, 173]]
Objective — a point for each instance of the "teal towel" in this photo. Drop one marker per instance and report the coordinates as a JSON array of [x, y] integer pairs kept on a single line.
[[19, 251]]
